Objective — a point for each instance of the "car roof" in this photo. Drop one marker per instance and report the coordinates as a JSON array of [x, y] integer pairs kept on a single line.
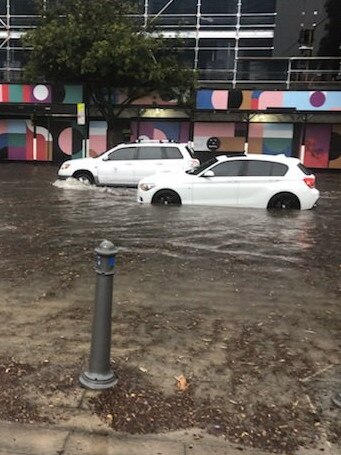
[[281, 158], [154, 142]]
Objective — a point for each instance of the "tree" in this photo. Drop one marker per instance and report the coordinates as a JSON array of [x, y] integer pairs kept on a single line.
[[100, 44]]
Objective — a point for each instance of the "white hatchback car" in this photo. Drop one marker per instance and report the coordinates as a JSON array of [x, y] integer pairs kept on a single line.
[[126, 164], [258, 181]]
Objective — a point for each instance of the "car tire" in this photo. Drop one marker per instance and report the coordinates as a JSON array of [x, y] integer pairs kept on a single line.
[[166, 197], [284, 201], [85, 177]]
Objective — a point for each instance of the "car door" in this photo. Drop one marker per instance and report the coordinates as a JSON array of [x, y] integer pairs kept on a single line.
[[221, 188], [259, 181], [117, 168], [149, 161]]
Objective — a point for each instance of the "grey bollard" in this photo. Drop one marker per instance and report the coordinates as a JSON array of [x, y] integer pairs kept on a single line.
[[100, 375]]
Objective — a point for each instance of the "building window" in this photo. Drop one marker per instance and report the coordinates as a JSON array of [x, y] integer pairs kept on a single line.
[[176, 7], [258, 6], [219, 7]]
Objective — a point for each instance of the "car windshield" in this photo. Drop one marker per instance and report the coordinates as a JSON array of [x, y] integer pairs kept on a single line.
[[202, 167]]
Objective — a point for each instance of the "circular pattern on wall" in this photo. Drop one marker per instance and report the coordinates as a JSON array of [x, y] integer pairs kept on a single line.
[[317, 99], [41, 92], [65, 141], [213, 143]]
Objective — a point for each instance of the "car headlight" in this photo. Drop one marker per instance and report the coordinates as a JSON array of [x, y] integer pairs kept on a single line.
[[65, 165], [146, 186]]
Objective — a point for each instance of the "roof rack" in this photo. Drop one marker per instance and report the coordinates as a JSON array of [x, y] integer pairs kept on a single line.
[[155, 141]]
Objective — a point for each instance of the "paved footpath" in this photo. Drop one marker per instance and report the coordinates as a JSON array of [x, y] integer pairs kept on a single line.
[[18, 439]]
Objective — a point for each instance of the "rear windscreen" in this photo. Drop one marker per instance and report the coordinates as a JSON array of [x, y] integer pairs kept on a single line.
[[304, 169]]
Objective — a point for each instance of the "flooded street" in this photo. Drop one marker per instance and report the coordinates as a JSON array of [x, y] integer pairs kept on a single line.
[[245, 303]]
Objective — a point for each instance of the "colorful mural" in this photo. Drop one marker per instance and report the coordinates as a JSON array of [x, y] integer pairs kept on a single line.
[[97, 138], [40, 93], [335, 148], [317, 143], [219, 137], [259, 100], [271, 138], [162, 130]]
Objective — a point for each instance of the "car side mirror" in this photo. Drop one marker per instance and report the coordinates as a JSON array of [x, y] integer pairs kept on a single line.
[[208, 174], [105, 158]]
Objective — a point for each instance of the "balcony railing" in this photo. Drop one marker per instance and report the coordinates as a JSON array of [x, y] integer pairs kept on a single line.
[[293, 73]]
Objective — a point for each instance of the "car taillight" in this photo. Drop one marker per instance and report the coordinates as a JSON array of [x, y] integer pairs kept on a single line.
[[310, 181]]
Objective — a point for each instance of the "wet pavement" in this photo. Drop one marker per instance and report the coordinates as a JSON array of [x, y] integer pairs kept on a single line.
[[244, 303]]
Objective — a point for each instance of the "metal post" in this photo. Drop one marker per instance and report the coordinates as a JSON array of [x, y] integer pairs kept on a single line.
[[100, 375]]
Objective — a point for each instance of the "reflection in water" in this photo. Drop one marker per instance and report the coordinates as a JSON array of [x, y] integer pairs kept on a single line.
[[61, 214]]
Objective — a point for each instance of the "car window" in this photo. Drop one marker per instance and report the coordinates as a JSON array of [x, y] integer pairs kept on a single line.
[[172, 153], [304, 169], [228, 168], [202, 167], [150, 153], [255, 168], [279, 169], [127, 153], [258, 168]]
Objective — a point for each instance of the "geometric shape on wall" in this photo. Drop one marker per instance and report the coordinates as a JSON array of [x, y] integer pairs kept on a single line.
[[235, 99], [166, 130], [232, 144], [317, 142], [97, 137], [58, 93], [335, 148], [276, 146], [41, 93], [220, 99], [256, 145], [212, 99], [270, 99], [204, 99], [256, 130], [279, 130], [65, 141], [317, 99], [73, 94], [159, 135]]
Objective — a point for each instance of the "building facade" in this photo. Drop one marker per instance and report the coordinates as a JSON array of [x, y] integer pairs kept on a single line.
[[268, 84]]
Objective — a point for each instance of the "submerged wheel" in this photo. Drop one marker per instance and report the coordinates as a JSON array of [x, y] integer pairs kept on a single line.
[[284, 201], [168, 197], [84, 177]]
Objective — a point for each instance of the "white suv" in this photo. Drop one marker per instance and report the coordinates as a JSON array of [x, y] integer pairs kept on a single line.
[[258, 181], [126, 164]]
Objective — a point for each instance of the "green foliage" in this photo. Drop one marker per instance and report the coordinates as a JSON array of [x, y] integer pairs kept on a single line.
[[101, 44]]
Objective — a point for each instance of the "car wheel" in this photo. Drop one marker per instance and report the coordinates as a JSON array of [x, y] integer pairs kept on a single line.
[[84, 177], [284, 201], [164, 197]]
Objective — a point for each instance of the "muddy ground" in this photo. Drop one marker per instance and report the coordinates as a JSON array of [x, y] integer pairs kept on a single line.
[[243, 304]]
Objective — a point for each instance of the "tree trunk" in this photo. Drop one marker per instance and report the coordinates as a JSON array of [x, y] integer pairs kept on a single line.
[[118, 131]]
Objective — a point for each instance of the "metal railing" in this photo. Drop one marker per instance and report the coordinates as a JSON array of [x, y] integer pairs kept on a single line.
[[277, 72]]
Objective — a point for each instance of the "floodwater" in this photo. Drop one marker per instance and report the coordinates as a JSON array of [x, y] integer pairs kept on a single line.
[[42, 217], [245, 303]]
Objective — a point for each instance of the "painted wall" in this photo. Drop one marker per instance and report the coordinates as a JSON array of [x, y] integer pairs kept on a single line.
[[259, 100], [57, 139], [176, 131]]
